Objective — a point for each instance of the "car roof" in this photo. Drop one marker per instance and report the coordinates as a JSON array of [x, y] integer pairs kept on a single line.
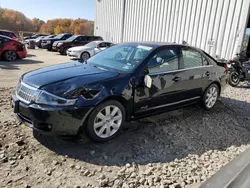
[[99, 41], [6, 30], [6, 37], [160, 44]]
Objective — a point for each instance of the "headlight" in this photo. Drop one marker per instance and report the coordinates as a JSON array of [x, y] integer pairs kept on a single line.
[[91, 92], [77, 51], [59, 44], [53, 100]]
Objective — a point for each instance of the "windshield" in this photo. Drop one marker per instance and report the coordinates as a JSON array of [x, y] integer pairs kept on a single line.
[[121, 58], [40, 37], [72, 38], [59, 36], [48, 37], [91, 44]]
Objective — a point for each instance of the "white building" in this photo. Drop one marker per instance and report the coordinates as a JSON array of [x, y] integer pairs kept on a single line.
[[216, 26]]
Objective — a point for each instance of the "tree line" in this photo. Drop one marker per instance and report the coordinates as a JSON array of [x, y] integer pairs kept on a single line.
[[17, 21]]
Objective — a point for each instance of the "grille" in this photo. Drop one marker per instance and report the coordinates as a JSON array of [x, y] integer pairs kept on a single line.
[[26, 93]]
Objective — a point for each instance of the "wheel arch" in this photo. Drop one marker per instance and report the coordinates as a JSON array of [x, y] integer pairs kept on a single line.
[[3, 52], [125, 103], [217, 83], [86, 52], [120, 99]]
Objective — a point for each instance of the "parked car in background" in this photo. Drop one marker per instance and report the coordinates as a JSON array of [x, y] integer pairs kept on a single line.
[[8, 34], [48, 43], [11, 49], [76, 40], [122, 83], [39, 40], [83, 53], [35, 36]]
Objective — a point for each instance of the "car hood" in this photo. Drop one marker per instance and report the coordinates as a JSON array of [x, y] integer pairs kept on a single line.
[[79, 48], [62, 72], [62, 41]]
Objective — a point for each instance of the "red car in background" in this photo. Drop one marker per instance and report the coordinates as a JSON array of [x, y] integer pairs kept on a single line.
[[11, 49]]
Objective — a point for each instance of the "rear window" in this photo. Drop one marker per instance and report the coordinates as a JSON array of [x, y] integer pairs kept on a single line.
[[210, 57]]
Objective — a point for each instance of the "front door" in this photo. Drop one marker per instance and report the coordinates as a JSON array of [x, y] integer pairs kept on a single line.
[[164, 69]]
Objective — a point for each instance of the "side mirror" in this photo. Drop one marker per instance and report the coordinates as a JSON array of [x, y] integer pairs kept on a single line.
[[148, 81]]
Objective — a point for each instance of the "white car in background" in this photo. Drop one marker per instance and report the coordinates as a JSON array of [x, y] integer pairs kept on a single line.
[[83, 53]]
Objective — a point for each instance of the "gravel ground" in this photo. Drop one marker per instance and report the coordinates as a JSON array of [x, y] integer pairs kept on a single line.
[[176, 149]]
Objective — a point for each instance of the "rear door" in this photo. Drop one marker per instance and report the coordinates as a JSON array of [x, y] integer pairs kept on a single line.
[[195, 71]]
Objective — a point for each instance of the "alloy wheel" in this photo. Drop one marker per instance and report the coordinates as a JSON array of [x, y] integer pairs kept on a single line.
[[211, 97], [84, 56], [107, 121], [235, 78], [10, 56]]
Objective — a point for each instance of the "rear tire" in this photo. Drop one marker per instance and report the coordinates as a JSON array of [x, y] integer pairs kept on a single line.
[[234, 79], [10, 55], [210, 96], [105, 121]]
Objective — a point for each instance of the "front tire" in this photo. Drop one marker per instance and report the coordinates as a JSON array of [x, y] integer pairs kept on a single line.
[[234, 79], [10, 55], [106, 121], [64, 52], [85, 56], [210, 96], [49, 48]]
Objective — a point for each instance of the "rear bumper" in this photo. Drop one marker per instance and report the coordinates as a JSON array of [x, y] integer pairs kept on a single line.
[[51, 120]]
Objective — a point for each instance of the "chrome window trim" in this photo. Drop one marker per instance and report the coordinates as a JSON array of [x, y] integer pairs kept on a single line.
[[179, 70]]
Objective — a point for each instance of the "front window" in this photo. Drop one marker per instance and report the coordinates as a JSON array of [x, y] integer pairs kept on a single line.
[[121, 58]]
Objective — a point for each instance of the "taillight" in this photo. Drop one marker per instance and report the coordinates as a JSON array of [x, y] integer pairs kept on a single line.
[[230, 60], [226, 67]]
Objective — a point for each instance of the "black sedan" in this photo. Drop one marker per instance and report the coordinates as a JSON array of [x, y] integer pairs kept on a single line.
[[122, 83], [48, 42]]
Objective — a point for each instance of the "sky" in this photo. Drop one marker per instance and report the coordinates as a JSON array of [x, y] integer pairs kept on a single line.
[[248, 31], [50, 9]]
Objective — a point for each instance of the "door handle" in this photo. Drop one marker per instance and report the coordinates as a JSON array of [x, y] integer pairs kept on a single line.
[[207, 73], [176, 79]]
